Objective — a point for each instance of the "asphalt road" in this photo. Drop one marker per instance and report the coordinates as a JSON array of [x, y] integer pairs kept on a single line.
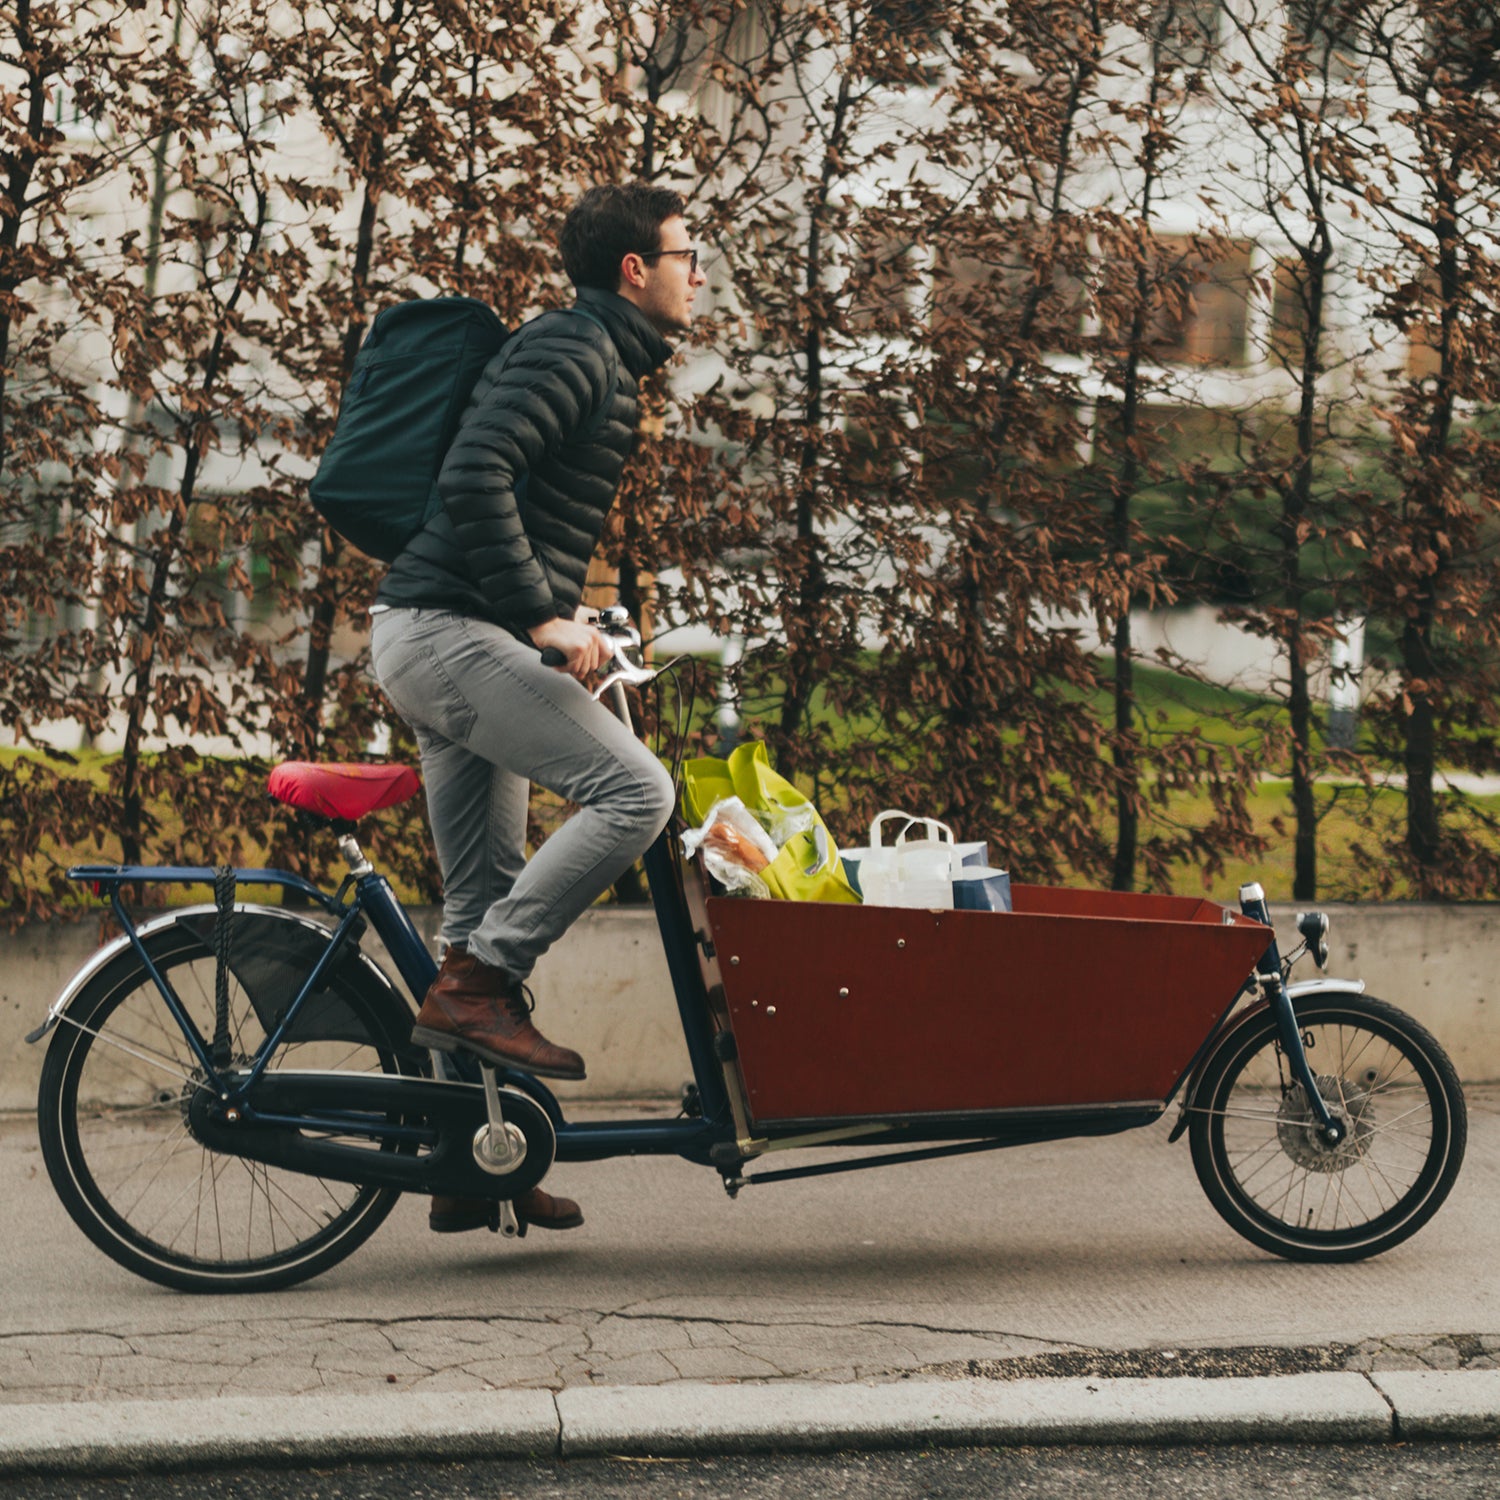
[[1429, 1471]]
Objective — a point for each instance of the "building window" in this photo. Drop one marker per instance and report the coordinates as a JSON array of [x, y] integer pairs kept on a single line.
[[1289, 320], [249, 102], [1201, 312], [1331, 33], [970, 292], [1462, 46], [879, 285], [1416, 309], [67, 112], [963, 283], [908, 35], [1188, 32]]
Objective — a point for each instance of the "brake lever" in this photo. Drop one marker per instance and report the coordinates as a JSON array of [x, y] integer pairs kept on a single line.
[[626, 671]]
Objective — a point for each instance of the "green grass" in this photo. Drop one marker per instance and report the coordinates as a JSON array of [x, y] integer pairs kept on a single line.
[[1172, 704], [1344, 823]]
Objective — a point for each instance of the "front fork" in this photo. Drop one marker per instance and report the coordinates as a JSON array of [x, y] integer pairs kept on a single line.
[[1273, 988]]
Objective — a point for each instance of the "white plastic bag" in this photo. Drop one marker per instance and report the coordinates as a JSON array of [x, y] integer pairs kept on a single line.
[[783, 823], [734, 846]]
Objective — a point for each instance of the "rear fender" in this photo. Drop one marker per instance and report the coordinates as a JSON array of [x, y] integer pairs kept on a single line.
[[302, 933]]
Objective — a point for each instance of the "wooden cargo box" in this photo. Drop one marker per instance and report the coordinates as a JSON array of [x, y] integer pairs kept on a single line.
[[1076, 999]]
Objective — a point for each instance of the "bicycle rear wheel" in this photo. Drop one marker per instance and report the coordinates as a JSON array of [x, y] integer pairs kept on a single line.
[[113, 1118], [1261, 1161]]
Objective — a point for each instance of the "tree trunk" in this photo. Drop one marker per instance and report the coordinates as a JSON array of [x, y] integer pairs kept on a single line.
[[1127, 767], [1304, 806], [1423, 831], [808, 570], [18, 174], [1296, 504], [132, 806]]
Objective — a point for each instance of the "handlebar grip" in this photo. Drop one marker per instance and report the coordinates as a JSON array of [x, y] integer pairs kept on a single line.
[[552, 657]]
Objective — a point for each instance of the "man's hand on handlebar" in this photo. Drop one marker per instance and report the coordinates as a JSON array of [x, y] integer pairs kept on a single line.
[[619, 644], [584, 647]]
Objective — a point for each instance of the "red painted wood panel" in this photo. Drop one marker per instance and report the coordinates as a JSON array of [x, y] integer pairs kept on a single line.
[[1075, 998]]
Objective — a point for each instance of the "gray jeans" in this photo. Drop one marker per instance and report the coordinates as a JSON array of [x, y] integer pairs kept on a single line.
[[489, 720]]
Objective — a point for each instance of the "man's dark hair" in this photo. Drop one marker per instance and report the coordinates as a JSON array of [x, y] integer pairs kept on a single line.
[[610, 222]]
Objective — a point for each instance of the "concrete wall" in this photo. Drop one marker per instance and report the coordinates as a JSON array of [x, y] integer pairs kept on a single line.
[[605, 989]]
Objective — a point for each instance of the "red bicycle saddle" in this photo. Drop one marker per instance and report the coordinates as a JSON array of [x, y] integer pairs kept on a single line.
[[346, 793]]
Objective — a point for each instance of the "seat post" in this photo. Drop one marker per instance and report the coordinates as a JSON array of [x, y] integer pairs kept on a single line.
[[354, 857]]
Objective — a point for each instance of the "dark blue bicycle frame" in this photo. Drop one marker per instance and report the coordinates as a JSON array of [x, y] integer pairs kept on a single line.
[[370, 897]]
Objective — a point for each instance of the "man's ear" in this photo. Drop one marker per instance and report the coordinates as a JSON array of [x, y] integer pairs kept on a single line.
[[632, 271]]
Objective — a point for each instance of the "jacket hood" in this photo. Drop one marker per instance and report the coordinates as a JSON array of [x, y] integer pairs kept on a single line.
[[641, 348]]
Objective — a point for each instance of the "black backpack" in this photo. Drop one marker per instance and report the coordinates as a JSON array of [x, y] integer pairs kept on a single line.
[[376, 483]]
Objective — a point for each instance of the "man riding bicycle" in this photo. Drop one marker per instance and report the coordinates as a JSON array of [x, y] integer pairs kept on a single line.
[[493, 579]]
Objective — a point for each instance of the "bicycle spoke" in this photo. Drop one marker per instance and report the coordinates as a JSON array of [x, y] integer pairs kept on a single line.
[[166, 1064], [168, 1150], [152, 1226]]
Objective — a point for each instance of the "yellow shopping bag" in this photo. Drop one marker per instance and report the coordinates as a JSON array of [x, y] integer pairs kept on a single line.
[[807, 867]]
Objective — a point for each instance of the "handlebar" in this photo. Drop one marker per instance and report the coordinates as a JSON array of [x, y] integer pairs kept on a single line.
[[614, 625]]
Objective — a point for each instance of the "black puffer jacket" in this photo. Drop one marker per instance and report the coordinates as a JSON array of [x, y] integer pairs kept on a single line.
[[534, 469]]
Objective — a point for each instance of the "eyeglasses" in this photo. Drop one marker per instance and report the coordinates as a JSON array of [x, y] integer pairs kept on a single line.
[[692, 256]]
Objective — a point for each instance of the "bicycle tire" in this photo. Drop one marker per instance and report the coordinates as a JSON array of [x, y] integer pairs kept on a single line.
[[1261, 1163], [116, 1141]]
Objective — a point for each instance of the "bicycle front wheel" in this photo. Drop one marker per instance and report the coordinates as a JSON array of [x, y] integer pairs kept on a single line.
[[114, 1121], [1259, 1156]]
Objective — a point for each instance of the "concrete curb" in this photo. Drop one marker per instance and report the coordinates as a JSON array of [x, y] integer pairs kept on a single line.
[[1443, 1403], [676, 1420], [124, 1436], [114, 1437]]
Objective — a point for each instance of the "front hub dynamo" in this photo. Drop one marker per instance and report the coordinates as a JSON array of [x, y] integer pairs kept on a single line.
[[1297, 1127]]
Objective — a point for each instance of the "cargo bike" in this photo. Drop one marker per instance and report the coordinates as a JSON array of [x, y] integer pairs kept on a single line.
[[230, 1099]]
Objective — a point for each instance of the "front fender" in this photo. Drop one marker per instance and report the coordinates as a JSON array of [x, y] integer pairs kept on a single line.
[[1325, 987], [1294, 992]]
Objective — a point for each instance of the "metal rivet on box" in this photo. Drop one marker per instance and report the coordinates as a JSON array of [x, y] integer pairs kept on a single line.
[[770, 1010], [734, 960], [900, 942], [843, 994]]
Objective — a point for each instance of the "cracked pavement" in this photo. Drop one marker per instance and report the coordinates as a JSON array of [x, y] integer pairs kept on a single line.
[[1077, 1257]]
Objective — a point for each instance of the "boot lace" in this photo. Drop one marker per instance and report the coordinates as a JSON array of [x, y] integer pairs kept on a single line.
[[520, 1002]]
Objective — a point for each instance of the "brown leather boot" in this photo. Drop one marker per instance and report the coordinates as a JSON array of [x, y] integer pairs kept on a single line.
[[455, 1215], [474, 1007], [546, 1212]]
